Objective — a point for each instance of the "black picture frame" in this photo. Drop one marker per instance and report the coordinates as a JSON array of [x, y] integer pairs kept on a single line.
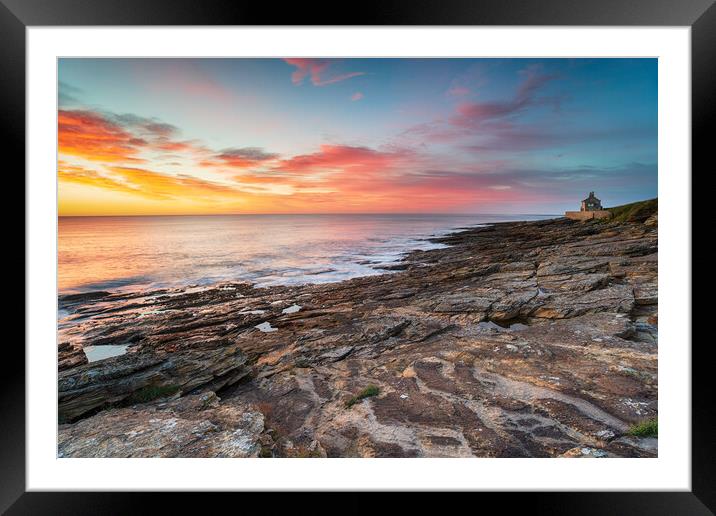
[[700, 15]]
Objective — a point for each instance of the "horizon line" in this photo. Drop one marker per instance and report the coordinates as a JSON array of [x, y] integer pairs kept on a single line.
[[300, 214]]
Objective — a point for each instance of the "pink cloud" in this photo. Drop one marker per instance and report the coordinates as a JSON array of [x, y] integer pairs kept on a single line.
[[472, 114], [343, 157], [357, 96], [315, 70], [365, 179], [495, 124]]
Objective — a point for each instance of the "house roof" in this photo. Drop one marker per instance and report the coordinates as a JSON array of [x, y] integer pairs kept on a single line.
[[591, 198]]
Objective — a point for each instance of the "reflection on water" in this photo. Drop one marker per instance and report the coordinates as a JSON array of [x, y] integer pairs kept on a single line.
[[132, 253]]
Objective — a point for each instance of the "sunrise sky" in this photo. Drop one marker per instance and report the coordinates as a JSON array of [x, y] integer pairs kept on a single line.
[[205, 136]]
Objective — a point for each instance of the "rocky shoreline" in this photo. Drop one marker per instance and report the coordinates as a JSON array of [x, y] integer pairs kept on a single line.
[[520, 339]]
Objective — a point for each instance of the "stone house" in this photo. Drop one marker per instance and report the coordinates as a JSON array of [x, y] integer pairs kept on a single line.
[[591, 208], [591, 203]]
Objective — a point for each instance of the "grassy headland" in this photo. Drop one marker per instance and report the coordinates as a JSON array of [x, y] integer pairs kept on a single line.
[[634, 212]]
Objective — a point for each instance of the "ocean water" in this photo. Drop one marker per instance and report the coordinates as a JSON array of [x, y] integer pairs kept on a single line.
[[138, 253]]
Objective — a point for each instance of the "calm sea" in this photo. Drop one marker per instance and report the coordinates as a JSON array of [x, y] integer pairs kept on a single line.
[[135, 253]]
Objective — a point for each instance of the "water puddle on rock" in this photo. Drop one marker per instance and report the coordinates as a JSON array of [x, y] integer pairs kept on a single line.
[[95, 353], [266, 327], [513, 325], [291, 309]]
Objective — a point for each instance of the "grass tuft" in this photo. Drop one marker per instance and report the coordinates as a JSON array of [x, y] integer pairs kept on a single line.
[[369, 391], [634, 212], [648, 428]]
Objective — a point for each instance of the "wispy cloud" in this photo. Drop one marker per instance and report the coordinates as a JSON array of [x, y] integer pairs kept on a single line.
[[92, 136], [317, 71], [494, 125], [245, 157], [68, 94], [473, 114], [113, 138], [150, 126], [147, 183], [343, 158]]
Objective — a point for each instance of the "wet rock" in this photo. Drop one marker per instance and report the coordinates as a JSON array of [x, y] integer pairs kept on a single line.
[[69, 356]]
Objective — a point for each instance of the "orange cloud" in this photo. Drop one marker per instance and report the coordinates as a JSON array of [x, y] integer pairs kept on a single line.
[[91, 136], [334, 178], [117, 138], [156, 185], [146, 183], [350, 188], [82, 176]]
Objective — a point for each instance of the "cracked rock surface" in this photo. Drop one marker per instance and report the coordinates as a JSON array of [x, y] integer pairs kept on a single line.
[[520, 339], [191, 426]]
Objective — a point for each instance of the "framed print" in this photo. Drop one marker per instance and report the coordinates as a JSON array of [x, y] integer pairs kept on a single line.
[[418, 252]]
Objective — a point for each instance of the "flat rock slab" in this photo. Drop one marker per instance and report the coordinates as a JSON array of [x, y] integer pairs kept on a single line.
[[192, 426]]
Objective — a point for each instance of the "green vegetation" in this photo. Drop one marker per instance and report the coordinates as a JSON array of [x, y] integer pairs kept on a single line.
[[369, 391], [648, 428], [639, 375], [634, 212], [153, 392]]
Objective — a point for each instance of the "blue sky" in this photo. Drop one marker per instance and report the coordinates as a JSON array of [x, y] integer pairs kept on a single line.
[[363, 135]]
